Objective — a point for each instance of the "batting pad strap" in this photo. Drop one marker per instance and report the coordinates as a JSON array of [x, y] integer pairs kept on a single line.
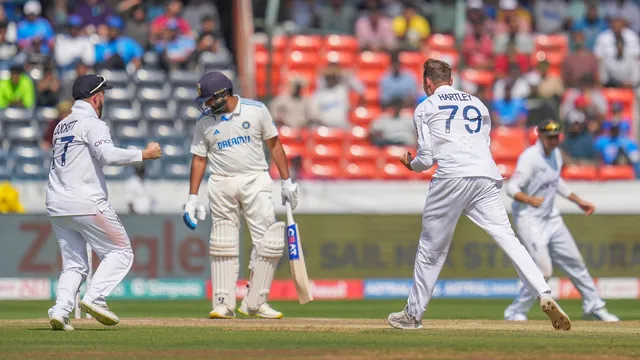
[[225, 239], [272, 243]]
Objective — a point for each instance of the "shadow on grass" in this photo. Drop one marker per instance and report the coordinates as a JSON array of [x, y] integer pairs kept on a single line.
[[49, 329]]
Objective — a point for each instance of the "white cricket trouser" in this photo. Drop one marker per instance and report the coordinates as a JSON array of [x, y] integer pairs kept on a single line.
[[107, 237], [479, 198], [252, 194], [549, 241]]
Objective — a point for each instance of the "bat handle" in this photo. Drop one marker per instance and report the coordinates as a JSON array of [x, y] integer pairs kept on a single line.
[[289, 213]]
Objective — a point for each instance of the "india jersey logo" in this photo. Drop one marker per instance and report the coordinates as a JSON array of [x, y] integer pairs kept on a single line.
[[246, 125]]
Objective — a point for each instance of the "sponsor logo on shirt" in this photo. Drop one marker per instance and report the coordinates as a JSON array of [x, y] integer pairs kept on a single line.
[[238, 140], [102, 142]]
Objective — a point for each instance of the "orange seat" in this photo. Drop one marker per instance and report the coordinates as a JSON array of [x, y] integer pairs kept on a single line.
[[479, 77], [532, 135], [579, 172], [363, 116], [623, 96], [279, 43], [507, 169], [395, 171], [307, 43], [371, 96], [262, 60], [393, 153], [359, 170], [370, 59], [359, 152], [551, 42], [358, 135], [554, 57], [288, 135], [441, 42], [371, 77], [302, 59], [342, 58], [327, 135], [325, 152], [341, 43], [321, 170], [507, 143], [611, 172], [294, 150], [411, 59], [309, 74], [451, 57]]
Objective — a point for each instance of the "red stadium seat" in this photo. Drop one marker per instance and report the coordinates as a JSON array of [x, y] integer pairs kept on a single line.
[[451, 57], [306, 43], [321, 170], [344, 59], [358, 135], [279, 43], [552, 42], [411, 59], [395, 171], [393, 153], [369, 59], [441, 42], [579, 172], [294, 150], [554, 57], [371, 96], [327, 135], [623, 96], [363, 152], [363, 116], [507, 143], [262, 60], [532, 135], [325, 152], [360, 170], [302, 59], [479, 77], [371, 77], [610, 172], [289, 135], [341, 43], [507, 169]]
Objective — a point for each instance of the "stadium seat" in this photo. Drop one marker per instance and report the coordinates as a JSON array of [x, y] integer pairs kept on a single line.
[[362, 152], [370, 77], [441, 42], [579, 172], [332, 152], [322, 170], [290, 135], [117, 172], [369, 59], [363, 116], [395, 171], [341, 43], [147, 77], [28, 133], [188, 112], [532, 135], [344, 59], [327, 135], [551, 42], [451, 57], [124, 114], [163, 114], [279, 43], [294, 150], [411, 60], [161, 131], [119, 94], [116, 78], [30, 172], [507, 169], [151, 60], [358, 135], [610, 172], [176, 169], [45, 114], [478, 77], [360, 170], [371, 96], [184, 78], [175, 151], [625, 97], [16, 115], [154, 95], [393, 153], [555, 58], [25, 149], [507, 143], [215, 61], [153, 170], [306, 43], [184, 94], [299, 59]]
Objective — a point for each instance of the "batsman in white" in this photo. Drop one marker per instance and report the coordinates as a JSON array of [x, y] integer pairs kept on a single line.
[[534, 186], [453, 131], [228, 141], [77, 204]]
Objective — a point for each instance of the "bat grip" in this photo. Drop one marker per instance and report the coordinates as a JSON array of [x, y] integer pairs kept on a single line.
[[289, 213]]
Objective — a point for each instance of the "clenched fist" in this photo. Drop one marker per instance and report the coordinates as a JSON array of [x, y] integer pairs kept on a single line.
[[152, 152]]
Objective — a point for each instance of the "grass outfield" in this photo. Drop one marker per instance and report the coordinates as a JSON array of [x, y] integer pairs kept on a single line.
[[453, 329]]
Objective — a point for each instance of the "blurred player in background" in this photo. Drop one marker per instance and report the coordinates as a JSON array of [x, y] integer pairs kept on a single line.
[[77, 204], [453, 131], [228, 141], [534, 186]]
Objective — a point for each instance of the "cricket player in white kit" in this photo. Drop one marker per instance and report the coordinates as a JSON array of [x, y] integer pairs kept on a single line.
[[76, 202], [228, 141], [534, 186], [453, 131]]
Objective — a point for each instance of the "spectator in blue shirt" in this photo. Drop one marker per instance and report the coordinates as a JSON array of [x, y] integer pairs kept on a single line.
[[578, 144], [591, 26], [398, 84], [118, 51], [615, 148], [175, 50], [509, 111], [34, 26]]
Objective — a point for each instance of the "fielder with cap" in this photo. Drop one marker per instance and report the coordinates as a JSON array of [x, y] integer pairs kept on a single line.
[[534, 186], [228, 141], [77, 204]]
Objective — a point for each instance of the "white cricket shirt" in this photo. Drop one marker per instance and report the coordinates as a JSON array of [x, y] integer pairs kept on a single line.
[[538, 175], [82, 144], [233, 142], [456, 126]]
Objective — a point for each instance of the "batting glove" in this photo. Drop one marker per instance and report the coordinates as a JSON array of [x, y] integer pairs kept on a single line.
[[289, 193], [192, 212]]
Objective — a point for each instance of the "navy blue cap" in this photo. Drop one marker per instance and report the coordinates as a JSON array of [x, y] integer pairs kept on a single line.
[[75, 20], [212, 84], [88, 85]]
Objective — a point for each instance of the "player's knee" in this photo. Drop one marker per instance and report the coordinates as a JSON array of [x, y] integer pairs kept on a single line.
[[224, 240], [272, 243]]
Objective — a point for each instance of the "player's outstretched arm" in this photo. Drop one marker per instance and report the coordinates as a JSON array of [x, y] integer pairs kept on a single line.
[[564, 191], [99, 139], [289, 189]]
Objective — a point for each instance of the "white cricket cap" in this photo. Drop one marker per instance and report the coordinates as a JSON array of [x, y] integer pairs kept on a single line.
[[32, 7], [508, 4], [475, 4]]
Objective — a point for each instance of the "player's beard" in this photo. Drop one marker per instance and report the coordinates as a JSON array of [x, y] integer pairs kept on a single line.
[[100, 105]]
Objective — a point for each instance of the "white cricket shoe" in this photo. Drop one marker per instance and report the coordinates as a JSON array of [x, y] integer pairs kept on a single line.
[[100, 311], [602, 315], [402, 320], [559, 318], [60, 323], [264, 311], [221, 312], [516, 317]]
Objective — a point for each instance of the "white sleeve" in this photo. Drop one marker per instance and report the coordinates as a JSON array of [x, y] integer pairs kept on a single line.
[[268, 126], [424, 158], [521, 175], [101, 146], [199, 145], [563, 189]]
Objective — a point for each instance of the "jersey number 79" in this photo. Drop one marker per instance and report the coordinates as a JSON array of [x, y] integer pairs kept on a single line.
[[477, 117]]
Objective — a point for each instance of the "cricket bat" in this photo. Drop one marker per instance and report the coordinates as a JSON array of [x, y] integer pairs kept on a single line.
[[296, 260]]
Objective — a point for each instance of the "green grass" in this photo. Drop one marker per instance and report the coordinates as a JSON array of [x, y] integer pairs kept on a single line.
[[294, 338]]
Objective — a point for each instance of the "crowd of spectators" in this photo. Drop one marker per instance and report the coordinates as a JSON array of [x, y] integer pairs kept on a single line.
[[602, 51]]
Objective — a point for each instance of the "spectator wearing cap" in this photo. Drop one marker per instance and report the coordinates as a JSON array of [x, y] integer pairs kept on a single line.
[[291, 108], [175, 49], [137, 26], [509, 111], [606, 47], [337, 16], [578, 143], [9, 51], [374, 29], [411, 28], [620, 71], [512, 15], [73, 47], [393, 127], [118, 51], [615, 148], [443, 16], [17, 90], [94, 13], [585, 95], [579, 63], [477, 45], [172, 13], [34, 26], [590, 26], [64, 109], [398, 84], [550, 16], [196, 10], [627, 9]]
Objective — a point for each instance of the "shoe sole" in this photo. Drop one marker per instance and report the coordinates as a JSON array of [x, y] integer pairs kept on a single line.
[[559, 319], [401, 327], [279, 316], [215, 315], [58, 325], [101, 317]]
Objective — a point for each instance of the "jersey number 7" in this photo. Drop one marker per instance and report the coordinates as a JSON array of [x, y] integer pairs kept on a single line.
[[63, 158], [477, 117]]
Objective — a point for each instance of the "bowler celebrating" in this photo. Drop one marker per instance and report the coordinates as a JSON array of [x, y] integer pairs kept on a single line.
[[534, 186], [453, 131], [228, 141], [77, 204]]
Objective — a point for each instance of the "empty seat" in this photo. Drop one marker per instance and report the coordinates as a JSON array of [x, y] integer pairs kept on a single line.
[[360, 170], [363, 116], [369, 59], [184, 78], [117, 78], [151, 60], [211, 60], [395, 171], [441, 42], [116, 172], [358, 135], [309, 43], [124, 114], [394, 152], [411, 60], [579, 172], [184, 94], [507, 143], [290, 135], [176, 169], [119, 94], [327, 135], [21, 133], [156, 95], [25, 149], [46, 114], [611, 172], [160, 131], [323, 170], [125, 131], [138, 143], [478, 77], [294, 150], [344, 59], [341, 43], [13, 114], [30, 171], [326, 151], [145, 77], [362, 152], [175, 151], [162, 114]]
